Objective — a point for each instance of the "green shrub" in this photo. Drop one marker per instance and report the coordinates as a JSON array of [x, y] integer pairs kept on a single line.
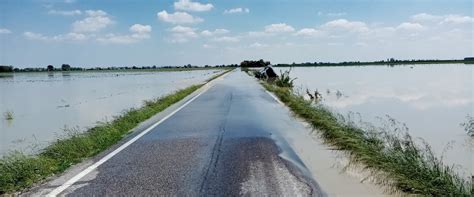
[[284, 80]]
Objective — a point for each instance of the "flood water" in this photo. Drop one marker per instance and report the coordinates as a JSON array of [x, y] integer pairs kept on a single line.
[[432, 100], [43, 104]]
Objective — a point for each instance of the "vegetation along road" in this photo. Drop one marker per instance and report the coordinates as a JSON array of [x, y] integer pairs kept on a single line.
[[225, 140]]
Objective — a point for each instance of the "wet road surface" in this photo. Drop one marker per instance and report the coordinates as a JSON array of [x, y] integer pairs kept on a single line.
[[225, 143]]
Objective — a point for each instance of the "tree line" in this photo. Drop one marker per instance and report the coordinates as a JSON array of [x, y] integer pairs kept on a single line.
[[251, 63], [390, 62], [67, 67]]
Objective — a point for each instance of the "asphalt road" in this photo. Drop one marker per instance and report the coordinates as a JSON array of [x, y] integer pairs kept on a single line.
[[226, 143]]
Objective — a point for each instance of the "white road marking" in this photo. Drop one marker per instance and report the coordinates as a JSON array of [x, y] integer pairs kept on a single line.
[[274, 97], [89, 169]]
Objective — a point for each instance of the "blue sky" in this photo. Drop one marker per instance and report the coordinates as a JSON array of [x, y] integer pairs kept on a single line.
[[123, 33]]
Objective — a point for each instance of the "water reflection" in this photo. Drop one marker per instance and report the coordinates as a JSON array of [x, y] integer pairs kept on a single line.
[[44, 103], [6, 75], [432, 100]]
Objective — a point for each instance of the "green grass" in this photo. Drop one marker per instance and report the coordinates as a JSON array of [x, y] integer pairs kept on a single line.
[[284, 79], [19, 171], [217, 76], [393, 160]]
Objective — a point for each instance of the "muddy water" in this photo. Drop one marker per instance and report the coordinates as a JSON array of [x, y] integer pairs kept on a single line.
[[431, 100], [44, 104]]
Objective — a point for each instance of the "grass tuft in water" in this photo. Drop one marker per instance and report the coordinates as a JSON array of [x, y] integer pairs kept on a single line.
[[469, 125], [8, 115]]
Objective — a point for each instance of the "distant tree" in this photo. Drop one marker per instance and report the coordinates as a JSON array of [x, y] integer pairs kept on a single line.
[[4, 69], [250, 63], [65, 67], [50, 68]]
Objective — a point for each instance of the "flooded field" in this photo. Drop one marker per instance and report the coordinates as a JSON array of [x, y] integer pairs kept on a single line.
[[41, 105], [432, 100]]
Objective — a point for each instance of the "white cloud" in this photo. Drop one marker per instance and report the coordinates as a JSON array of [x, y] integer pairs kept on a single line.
[[188, 5], [140, 29], [457, 19], [442, 19], [5, 31], [279, 28], [343, 24], [256, 34], [226, 39], [65, 12], [208, 46], [424, 17], [178, 18], [62, 37], [257, 45], [271, 30], [181, 34], [215, 32], [34, 36], [117, 39], [182, 29], [410, 26], [69, 1], [71, 36], [96, 20], [96, 13], [139, 32], [237, 10], [308, 32]]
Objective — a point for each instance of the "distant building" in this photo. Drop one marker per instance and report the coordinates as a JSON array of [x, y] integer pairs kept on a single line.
[[469, 59]]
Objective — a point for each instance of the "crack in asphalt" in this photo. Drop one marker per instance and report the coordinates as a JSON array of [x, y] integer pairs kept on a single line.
[[216, 150]]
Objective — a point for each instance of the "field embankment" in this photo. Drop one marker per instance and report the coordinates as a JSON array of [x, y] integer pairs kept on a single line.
[[19, 171]]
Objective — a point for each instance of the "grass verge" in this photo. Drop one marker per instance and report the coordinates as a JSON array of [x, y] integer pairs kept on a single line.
[[393, 160], [19, 171]]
